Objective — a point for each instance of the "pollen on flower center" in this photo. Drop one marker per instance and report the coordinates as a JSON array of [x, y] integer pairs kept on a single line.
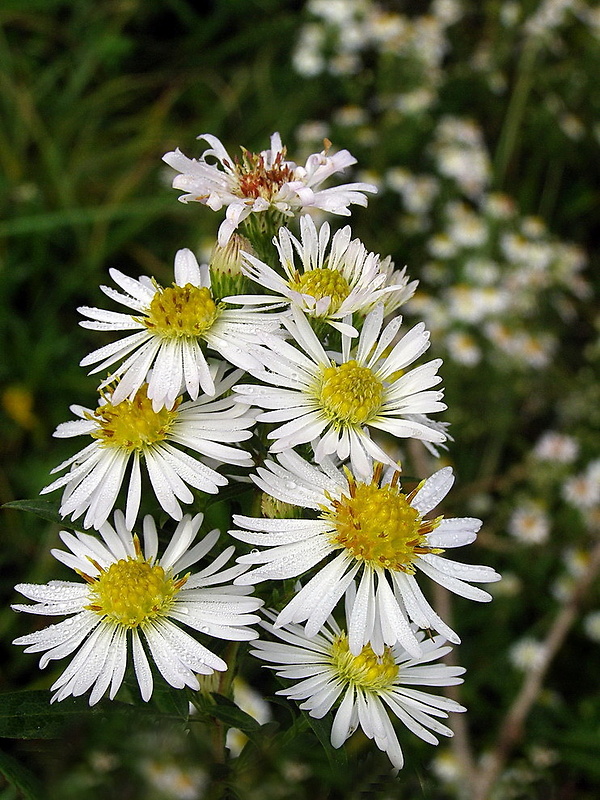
[[350, 393], [133, 424], [365, 671], [320, 283], [132, 591], [257, 180], [378, 525], [181, 311]]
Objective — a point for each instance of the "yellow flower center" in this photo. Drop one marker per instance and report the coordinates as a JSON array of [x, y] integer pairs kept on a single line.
[[133, 424], [366, 671], [255, 179], [378, 525], [349, 393], [132, 591], [181, 311], [319, 283]]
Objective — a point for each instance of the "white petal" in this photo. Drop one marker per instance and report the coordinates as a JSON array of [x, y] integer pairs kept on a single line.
[[454, 532], [186, 268], [433, 490], [340, 730], [142, 667], [360, 623]]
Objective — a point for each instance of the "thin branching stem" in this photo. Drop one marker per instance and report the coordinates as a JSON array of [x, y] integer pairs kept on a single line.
[[512, 727]]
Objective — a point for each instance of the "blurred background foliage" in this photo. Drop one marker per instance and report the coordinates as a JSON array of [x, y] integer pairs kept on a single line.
[[479, 120]]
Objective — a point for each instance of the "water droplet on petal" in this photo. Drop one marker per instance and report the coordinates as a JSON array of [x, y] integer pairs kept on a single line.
[[291, 485], [204, 628], [254, 550]]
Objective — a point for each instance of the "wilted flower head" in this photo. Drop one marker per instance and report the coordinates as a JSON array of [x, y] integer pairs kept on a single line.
[[258, 182]]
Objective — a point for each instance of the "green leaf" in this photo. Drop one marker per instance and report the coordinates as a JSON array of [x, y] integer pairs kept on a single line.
[[337, 757], [170, 701], [46, 509], [226, 710], [230, 492], [322, 729], [20, 777], [30, 715]]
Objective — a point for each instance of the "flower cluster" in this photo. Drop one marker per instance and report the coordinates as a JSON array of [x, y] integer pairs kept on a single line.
[[311, 374]]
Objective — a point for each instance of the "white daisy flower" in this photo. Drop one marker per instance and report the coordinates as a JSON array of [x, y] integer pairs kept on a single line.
[[527, 654], [336, 398], [130, 431], [174, 326], [264, 181], [582, 490], [131, 595], [556, 447], [529, 523], [331, 281], [399, 288], [367, 688], [367, 529]]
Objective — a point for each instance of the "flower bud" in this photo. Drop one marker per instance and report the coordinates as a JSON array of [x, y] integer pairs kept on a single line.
[[226, 267], [276, 509]]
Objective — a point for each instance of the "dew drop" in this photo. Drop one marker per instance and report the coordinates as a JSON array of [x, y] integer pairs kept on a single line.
[[291, 485], [254, 550], [204, 628], [249, 390]]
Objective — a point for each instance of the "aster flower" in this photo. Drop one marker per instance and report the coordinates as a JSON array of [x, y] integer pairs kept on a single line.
[[174, 326], [264, 181], [337, 398], [398, 288], [130, 431], [133, 598], [331, 280], [367, 528], [366, 688], [529, 523], [556, 447]]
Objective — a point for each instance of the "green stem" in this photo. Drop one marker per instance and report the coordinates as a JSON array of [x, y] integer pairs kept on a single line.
[[516, 110]]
